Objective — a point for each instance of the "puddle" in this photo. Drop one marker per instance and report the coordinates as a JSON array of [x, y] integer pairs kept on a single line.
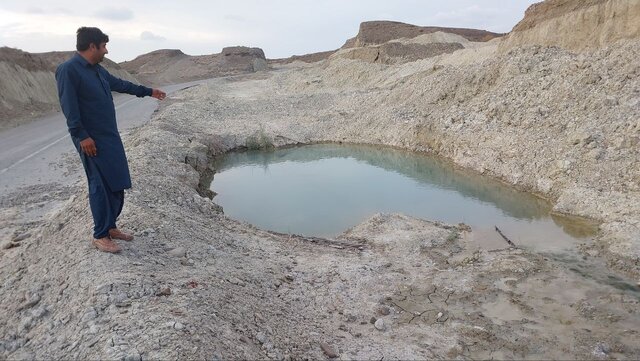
[[322, 190]]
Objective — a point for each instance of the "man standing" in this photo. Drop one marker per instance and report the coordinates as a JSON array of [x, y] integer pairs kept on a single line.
[[84, 88]]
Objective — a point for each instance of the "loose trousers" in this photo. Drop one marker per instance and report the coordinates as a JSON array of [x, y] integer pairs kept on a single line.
[[105, 204]]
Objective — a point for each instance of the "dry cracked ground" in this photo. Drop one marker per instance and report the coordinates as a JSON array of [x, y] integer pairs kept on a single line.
[[196, 284]]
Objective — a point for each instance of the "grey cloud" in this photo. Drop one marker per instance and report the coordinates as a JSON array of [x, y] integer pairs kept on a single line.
[[234, 18], [118, 14], [147, 35], [43, 11], [35, 10]]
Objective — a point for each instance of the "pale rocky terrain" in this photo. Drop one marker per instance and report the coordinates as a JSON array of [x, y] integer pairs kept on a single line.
[[28, 84], [195, 284]]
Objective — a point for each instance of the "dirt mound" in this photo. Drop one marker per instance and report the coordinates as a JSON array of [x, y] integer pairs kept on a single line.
[[576, 24], [28, 84], [388, 42], [397, 53], [173, 66], [307, 58], [380, 32]]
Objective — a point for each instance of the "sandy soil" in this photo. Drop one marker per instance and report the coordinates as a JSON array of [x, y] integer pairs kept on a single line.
[[195, 284]]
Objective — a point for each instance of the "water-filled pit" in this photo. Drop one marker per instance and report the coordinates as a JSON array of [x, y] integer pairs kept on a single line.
[[324, 189]]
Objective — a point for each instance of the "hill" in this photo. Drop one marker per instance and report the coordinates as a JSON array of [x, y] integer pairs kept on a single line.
[[173, 66], [28, 85]]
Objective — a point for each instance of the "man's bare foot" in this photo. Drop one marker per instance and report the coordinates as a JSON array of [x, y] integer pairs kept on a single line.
[[117, 234], [106, 244]]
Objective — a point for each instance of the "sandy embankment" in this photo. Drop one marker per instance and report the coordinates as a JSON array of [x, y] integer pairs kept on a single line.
[[28, 86]]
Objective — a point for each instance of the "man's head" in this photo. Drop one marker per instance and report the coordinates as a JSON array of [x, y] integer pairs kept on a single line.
[[91, 43]]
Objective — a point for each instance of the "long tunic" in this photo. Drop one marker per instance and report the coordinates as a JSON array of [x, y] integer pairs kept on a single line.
[[87, 103]]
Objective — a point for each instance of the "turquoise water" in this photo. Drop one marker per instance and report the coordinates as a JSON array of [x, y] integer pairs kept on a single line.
[[322, 190]]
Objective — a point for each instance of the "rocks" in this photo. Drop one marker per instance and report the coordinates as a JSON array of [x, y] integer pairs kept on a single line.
[[328, 350], [380, 325], [31, 301], [178, 252], [133, 355], [165, 291], [90, 314], [20, 237], [8, 244], [261, 337], [25, 324]]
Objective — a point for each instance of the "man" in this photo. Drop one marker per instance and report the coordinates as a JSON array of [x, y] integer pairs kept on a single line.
[[84, 88]]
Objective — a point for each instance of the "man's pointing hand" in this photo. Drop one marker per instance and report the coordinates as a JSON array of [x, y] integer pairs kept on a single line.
[[158, 94]]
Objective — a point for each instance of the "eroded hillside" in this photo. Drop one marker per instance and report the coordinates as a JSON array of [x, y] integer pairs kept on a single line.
[[28, 85]]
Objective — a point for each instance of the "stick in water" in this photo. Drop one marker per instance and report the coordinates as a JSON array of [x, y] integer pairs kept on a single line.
[[505, 238]]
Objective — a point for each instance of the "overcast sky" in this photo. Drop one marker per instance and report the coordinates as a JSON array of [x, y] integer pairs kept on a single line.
[[280, 27]]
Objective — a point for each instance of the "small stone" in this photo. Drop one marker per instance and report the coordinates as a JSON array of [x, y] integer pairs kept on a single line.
[[178, 326], [8, 244], [90, 314], [384, 310], [373, 320], [21, 237], [328, 350], [32, 301], [261, 337], [133, 355], [379, 325], [39, 312], [178, 252], [26, 323], [148, 231], [164, 292]]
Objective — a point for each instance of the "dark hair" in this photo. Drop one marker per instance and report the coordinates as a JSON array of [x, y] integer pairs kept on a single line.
[[87, 36]]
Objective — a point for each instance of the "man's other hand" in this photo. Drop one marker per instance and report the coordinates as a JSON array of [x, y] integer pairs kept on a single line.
[[158, 94], [88, 146]]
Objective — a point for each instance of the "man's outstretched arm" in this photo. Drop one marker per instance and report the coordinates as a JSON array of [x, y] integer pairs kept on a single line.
[[123, 86]]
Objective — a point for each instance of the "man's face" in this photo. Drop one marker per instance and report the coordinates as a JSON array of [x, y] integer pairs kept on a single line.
[[99, 52]]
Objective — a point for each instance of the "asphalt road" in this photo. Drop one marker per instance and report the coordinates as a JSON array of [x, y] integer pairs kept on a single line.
[[31, 153]]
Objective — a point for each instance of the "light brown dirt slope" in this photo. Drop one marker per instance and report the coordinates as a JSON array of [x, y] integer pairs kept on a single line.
[[28, 86], [576, 24]]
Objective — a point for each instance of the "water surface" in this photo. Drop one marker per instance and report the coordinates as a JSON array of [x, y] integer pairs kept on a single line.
[[322, 190]]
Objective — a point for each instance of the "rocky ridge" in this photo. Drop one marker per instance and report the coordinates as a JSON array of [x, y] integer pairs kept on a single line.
[[173, 66], [380, 32]]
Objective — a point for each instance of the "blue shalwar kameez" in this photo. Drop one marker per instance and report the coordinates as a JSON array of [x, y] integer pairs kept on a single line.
[[86, 101]]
